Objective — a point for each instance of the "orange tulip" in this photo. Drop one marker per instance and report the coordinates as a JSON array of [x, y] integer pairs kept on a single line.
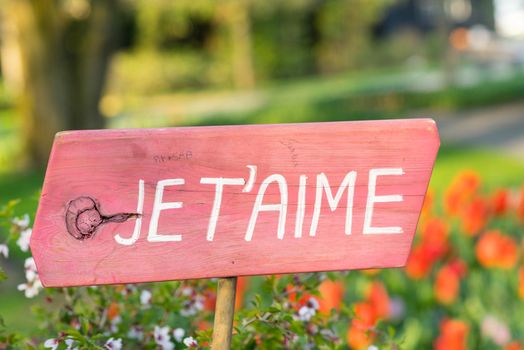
[[513, 346], [359, 339], [453, 336], [474, 216], [365, 316], [367, 313], [496, 250], [447, 285], [360, 334], [508, 253], [461, 190], [378, 299], [242, 284], [331, 294]]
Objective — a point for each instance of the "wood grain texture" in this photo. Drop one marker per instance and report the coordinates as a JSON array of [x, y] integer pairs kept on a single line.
[[107, 165]]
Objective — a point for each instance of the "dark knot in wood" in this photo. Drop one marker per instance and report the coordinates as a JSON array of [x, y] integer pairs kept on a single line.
[[83, 217]]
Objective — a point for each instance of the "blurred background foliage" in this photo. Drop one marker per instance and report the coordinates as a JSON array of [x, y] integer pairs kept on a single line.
[[80, 64]]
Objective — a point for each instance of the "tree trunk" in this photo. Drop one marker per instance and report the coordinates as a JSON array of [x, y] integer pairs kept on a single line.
[[242, 55], [64, 55]]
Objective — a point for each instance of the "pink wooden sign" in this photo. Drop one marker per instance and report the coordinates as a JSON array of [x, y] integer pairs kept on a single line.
[[121, 206]]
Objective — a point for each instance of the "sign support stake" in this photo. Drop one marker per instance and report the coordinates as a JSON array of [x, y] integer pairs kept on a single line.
[[224, 313]]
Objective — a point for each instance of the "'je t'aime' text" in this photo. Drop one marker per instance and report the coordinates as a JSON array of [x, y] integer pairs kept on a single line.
[[323, 189]]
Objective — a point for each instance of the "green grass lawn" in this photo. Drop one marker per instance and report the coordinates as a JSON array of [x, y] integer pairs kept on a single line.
[[351, 96], [495, 170], [16, 311]]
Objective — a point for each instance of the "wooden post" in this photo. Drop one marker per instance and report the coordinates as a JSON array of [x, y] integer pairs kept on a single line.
[[224, 312]]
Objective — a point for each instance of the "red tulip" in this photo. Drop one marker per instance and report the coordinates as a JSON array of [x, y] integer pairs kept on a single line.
[[419, 263], [453, 336], [434, 235], [520, 208], [500, 201]]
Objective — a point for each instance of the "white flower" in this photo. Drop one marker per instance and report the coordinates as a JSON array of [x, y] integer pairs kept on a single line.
[[187, 312], [305, 313], [145, 297], [309, 310], [30, 270], [167, 345], [22, 222], [31, 289], [329, 334], [187, 291], [178, 334], [23, 240], [129, 289], [372, 347], [313, 303], [193, 306], [33, 285], [69, 342], [135, 332], [199, 302], [113, 344], [190, 342], [161, 335], [51, 343], [4, 250]]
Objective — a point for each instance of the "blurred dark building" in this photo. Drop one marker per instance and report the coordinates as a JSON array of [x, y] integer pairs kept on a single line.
[[426, 16]]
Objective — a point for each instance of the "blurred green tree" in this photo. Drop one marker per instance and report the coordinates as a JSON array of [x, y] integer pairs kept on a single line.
[[63, 49], [220, 31], [242, 43], [345, 33]]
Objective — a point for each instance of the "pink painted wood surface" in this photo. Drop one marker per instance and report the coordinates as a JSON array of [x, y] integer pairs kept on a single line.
[[106, 165]]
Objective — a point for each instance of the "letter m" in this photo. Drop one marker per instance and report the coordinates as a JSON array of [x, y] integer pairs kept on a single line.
[[323, 186]]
